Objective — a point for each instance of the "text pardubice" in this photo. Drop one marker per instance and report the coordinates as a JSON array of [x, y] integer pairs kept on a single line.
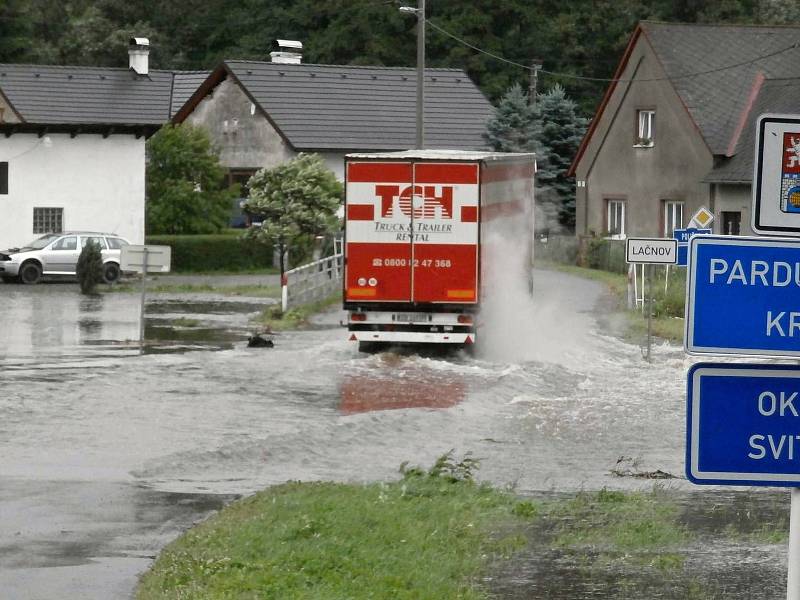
[[761, 273]]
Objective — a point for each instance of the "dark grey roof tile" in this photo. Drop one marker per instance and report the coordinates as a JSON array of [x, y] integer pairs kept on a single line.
[[185, 83], [46, 94], [780, 96], [713, 67], [369, 108]]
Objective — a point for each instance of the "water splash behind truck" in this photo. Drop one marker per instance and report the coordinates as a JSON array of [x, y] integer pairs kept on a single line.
[[418, 246]]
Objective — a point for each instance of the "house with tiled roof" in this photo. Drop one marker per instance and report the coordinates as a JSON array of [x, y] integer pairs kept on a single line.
[[675, 129], [72, 155], [260, 114]]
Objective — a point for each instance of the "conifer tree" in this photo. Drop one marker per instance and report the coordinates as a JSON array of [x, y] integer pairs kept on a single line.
[[559, 131], [512, 126], [89, 268]]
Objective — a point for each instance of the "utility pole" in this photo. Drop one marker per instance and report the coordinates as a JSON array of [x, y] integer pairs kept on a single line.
[[420, 12], [536, 64], [421, 75]]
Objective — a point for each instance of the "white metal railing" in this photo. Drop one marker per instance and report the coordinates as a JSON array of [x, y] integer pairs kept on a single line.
[[311, 282]]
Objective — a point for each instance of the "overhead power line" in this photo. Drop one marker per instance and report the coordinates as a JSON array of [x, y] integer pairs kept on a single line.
[[609, 79]]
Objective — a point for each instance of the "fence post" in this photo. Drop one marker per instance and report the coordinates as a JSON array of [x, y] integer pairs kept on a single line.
[[284, 292]]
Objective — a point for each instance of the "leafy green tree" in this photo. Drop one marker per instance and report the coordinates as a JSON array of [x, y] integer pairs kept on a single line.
[[512, 126], [16, 31], [296, 200], [186, 191], [560, 131], [89, 268], [778, 12], [583, 38]]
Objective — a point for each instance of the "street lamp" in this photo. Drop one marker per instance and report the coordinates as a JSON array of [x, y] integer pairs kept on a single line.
[[420, 12]]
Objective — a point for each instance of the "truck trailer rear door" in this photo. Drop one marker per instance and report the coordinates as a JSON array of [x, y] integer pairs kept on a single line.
[[444, 253], [378, 232]]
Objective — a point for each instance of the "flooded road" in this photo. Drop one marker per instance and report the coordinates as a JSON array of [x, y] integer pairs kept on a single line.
[[105, 454]]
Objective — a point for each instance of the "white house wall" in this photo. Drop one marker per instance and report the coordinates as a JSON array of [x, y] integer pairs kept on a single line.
[[335, 162], [99, 182]]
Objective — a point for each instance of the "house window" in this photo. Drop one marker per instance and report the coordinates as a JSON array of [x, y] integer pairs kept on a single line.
[[615, 218], [731, 222], [3, 178], [48, 220], [673, 217], [241, 176], [645, 133]]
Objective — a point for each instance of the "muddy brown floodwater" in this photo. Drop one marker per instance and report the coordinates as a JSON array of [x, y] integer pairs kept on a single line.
[[106, 454]]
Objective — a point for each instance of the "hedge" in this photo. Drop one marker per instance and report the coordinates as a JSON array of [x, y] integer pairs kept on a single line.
[[603, 254], [561, 249], [218, 252]]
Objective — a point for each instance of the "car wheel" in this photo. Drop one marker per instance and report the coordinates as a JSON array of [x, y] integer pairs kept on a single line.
[[111, 272], [30, 272]]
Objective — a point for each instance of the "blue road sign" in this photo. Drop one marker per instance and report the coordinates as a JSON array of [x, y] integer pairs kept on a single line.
[[683, 236], [743, 296], [743, 424]]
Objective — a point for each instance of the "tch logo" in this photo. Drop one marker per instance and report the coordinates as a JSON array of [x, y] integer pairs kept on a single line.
[[421, 202]]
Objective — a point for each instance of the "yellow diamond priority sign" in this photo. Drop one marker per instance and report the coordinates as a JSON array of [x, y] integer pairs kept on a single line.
[[702, 218]]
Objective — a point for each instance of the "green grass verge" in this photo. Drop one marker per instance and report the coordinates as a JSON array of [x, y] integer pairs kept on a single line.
[[244, 271], [273, 318], [666, 306], [253, 291], [426, 536], [185, 322], [615, 525], [432, 534]]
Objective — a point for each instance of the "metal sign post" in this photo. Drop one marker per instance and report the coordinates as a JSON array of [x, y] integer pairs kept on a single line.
[[793, 576], [141, 305], [647, 252], [144, 260], [649, 311]]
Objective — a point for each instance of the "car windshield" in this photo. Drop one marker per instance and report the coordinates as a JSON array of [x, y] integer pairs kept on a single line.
[[41, 242]]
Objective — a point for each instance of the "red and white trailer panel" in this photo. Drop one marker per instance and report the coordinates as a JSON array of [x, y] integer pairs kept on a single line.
[[414, 222]]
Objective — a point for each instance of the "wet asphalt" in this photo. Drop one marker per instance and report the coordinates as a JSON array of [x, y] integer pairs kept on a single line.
[[107, 454]]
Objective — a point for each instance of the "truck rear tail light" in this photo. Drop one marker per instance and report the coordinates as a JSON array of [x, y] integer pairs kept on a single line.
[[358, 317], [465, 319], [362, 292], [461, 294]]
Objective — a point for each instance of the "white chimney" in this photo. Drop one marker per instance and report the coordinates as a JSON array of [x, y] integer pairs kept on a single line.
[[138, 51], [287, 52]]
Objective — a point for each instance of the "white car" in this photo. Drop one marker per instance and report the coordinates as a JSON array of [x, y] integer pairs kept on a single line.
[[56, 254]]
